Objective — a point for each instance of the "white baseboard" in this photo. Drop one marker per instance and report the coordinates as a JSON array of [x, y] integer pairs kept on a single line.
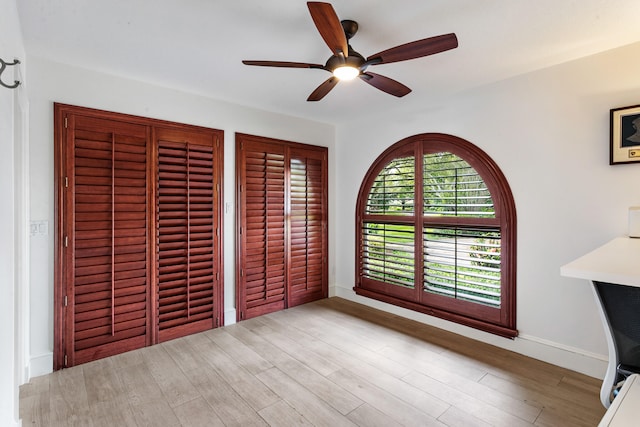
[[9, 421], [40, 365], [591, 364], [575, 359], [229, 316]]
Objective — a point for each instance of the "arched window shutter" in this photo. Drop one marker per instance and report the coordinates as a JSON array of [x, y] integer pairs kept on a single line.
[[436, 233]]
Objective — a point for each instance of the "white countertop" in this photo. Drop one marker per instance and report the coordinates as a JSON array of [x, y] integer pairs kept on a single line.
[[615, 262]]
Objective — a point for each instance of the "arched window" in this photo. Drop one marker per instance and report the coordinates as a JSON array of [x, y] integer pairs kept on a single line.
[[436, 233]]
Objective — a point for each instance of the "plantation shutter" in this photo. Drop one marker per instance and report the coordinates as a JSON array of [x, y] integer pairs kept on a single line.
[[463, 263], [262, 205], [453, 188], [307, 225], [138, 245], [388, 253], [187, 233], [436, 233], [388, 235], [282, 231], [393, 191], [108, 238], [460, 262]]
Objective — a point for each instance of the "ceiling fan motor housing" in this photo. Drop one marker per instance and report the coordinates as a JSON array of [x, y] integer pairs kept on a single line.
[[354, 60]]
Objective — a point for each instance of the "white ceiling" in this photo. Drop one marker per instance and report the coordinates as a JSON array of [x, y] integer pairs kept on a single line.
[[198, 45]]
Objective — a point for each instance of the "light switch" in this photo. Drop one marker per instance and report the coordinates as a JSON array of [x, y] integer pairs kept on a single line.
[[43, 228], [39, 228]]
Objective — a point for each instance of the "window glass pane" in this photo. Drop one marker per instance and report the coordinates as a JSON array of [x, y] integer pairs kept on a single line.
[[453, 188], [392, 192], [388, 253], [463, 263]]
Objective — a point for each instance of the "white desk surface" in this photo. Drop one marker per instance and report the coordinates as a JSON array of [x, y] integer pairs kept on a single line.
[[615, 262], [623, 411]]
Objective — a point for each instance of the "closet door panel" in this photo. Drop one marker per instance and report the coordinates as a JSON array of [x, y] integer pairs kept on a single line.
[[187, 225], [307, 262], [262, 274], [108, 238]]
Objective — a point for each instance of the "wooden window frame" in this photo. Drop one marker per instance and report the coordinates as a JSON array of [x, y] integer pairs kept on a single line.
[[500, 321]]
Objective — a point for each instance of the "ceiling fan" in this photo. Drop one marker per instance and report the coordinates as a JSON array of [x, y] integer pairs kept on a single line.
[[346, 64]]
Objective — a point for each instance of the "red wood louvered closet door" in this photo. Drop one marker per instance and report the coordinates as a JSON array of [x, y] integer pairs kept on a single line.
[[188, 269], [282, 234], [106, 238], [308, 204], [262, 228], [138, 232]]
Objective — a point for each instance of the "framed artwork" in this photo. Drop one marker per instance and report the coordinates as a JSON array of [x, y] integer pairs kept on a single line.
[[625, 135]]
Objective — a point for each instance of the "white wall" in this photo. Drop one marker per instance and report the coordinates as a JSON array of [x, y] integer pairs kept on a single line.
[[11, 223], [51, 82], [549, 133]]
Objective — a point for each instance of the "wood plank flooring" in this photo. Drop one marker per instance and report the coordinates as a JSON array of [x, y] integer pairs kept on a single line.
[[328, 363]]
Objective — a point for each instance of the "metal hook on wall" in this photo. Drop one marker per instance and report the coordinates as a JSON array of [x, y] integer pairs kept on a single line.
[[3, 65]]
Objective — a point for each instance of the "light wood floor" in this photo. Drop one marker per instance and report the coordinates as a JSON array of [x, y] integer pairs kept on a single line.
[[329, 363]]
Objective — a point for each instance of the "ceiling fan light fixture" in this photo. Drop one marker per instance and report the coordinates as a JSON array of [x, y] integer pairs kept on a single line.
[[346, 72]]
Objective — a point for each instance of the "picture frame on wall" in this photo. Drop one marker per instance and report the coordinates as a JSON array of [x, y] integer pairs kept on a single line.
[[625, 135]]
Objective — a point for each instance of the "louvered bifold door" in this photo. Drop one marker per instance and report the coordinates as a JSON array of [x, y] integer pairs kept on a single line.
[[188, 291], [261, 260], [307, 225], [106, 253]]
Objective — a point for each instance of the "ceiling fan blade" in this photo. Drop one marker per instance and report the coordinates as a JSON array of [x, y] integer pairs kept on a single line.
[[323, 89], [284, 64], [329, 27], [416, 49], [385, 84]]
